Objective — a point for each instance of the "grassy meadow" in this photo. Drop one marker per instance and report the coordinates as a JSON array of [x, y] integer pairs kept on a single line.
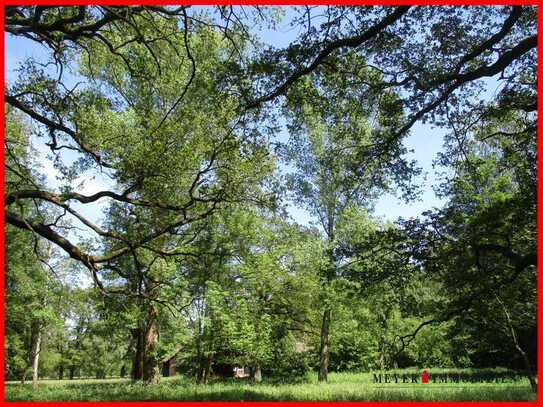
[[340, 387]]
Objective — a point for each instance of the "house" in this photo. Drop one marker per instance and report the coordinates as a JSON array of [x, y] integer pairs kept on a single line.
[[168, 367], [301, 347], [241, 372]]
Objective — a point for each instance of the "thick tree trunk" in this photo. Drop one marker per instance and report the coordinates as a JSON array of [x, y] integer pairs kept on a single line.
[[137, 362], [61, 372], [72, 372], [324, 349], [36, 346], [255, 373], [145, 365], [151, 371]]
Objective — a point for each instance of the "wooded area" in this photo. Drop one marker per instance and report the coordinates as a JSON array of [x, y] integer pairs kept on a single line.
[[206, 137]]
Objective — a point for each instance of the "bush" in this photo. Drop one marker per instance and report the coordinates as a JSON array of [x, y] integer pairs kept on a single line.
[[288, 366]]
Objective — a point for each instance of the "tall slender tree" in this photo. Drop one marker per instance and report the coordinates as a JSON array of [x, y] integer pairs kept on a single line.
[[332, 132]]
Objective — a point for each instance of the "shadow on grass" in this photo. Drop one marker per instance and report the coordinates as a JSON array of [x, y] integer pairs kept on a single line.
[[183, 389]]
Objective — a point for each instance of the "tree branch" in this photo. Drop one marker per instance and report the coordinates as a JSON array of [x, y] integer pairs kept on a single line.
[[350, 42]]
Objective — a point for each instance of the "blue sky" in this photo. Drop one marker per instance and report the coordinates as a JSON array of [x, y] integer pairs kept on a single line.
[[424, 140]]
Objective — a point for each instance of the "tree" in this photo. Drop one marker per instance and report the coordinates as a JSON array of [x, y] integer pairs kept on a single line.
[[190, 169], [31, 303], [329, 122], [33, 290], [487, 41], [498, 38], [249, 290], [487, 227]]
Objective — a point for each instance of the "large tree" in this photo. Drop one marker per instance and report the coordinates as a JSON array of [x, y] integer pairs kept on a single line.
[[501, 41], [486, 228], [331, 130], [167, 173]]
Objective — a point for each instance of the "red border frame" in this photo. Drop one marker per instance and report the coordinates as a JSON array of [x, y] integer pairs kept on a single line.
[[285, 3]]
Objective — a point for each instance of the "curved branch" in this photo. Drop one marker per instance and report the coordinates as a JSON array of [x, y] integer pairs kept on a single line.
[[514, 16], [57, 126], [350, 42], [503, 62], [520, 264]]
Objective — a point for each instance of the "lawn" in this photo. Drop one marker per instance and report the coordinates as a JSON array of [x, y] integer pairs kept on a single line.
[[341, 386]]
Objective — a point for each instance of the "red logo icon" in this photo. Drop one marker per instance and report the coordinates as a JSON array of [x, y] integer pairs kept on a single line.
[[424, 377]]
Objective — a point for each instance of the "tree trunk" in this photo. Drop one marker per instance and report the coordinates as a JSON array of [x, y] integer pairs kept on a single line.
[[207, 369], [513, 334], [382, 360], [324, 349], [36, 346], [330, 274], [528, 366], [201, 365], [151, 371], [137, 362], [255, 374], [61, 351], [72, 372], [200, 373]]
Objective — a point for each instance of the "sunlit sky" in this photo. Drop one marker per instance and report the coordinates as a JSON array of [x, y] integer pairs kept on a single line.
[[425, 141]]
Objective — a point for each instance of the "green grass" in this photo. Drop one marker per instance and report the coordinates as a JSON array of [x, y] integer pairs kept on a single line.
[[340, 387]]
